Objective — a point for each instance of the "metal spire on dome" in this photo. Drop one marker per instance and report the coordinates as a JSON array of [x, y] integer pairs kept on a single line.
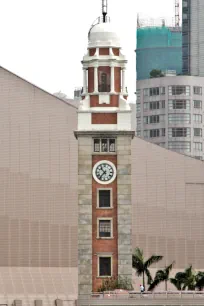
[[104, 9]]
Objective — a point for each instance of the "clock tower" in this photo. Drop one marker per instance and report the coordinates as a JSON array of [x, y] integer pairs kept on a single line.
[[104, 162]]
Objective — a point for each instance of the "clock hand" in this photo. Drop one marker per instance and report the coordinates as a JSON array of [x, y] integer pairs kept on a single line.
[[102, 174]]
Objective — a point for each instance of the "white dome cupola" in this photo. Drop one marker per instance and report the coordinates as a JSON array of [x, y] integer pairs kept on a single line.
[[103, 35]]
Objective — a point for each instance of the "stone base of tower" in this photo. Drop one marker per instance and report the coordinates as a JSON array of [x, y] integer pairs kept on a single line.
[[124, 206], [85, 149]]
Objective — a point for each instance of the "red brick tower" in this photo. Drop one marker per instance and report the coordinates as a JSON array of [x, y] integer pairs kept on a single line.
[[104, 140]]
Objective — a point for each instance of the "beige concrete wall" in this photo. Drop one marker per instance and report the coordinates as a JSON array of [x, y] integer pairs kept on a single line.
[[168, 205], [38, 191]]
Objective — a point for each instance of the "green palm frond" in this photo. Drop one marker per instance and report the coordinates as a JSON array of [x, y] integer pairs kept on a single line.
[[153, 259], [154, 284], [149, 277], [169, 268]]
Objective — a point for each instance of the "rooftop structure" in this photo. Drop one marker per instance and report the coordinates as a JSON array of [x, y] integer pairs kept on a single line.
[[158, 47]]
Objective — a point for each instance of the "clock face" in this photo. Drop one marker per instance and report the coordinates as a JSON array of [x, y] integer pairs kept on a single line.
[[104, 172]]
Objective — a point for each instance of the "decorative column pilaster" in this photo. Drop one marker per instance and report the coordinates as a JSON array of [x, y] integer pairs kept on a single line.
[[95, 79], [84, 82], [112, 79], [123, 81]]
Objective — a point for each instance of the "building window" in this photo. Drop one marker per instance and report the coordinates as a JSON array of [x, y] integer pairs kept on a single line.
[[180, 146], [97, 147], [179, 104], [138, 107], [197, 132], [154, 91], [138, 123], [163, 132], [197, 118], [146, 106], [138, 133], [197, 104], [154, 133], [145, 120], [112, 145], [138, 95], [105, 228], [104, 145], [163, 104], [179, 118], [179, 132], [154, 105], [104, 198], [154, 119], [104, 266], [162, 90], [197, 90], [146, 92], [198, 146], [177, 90], [146, 134]]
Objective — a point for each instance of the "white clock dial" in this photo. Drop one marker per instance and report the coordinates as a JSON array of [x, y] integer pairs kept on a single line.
[[104, 172]]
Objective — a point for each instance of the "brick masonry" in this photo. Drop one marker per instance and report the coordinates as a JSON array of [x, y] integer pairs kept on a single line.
[[104, 118], [92, 51], [117, 74], [103, 51], [104, 245], [90, 79], [116, 51]]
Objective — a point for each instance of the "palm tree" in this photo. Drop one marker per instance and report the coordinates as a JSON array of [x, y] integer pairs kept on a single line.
[[200, 280], [185, 280], [141, 265], [161, 276]]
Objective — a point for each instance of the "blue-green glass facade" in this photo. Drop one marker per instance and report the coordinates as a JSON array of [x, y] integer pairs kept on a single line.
[[158, 48]]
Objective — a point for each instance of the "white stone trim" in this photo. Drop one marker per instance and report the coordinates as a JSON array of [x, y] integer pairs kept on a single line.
[[110, 164], [105, 255], [111, 233], [111, 198], [84, 81], [123, 81], [95, 79]]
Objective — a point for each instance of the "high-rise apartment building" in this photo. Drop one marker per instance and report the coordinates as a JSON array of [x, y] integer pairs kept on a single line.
[[169, 113], [193, 37]]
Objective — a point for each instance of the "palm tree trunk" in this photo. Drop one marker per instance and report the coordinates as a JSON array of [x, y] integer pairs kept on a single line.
[[143, 279], [165, 285]]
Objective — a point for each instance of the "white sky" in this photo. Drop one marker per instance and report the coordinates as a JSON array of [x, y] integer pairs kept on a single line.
[[44, 41]]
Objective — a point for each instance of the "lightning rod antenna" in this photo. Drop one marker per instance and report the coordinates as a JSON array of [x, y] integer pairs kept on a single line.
[[177, 13], [104, 9]]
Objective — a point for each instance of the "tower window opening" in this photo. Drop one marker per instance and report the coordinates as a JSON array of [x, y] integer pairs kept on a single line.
[[105, 228], [96, 145], [104, 145], [105, 266], [104, 85], [104, 198]]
